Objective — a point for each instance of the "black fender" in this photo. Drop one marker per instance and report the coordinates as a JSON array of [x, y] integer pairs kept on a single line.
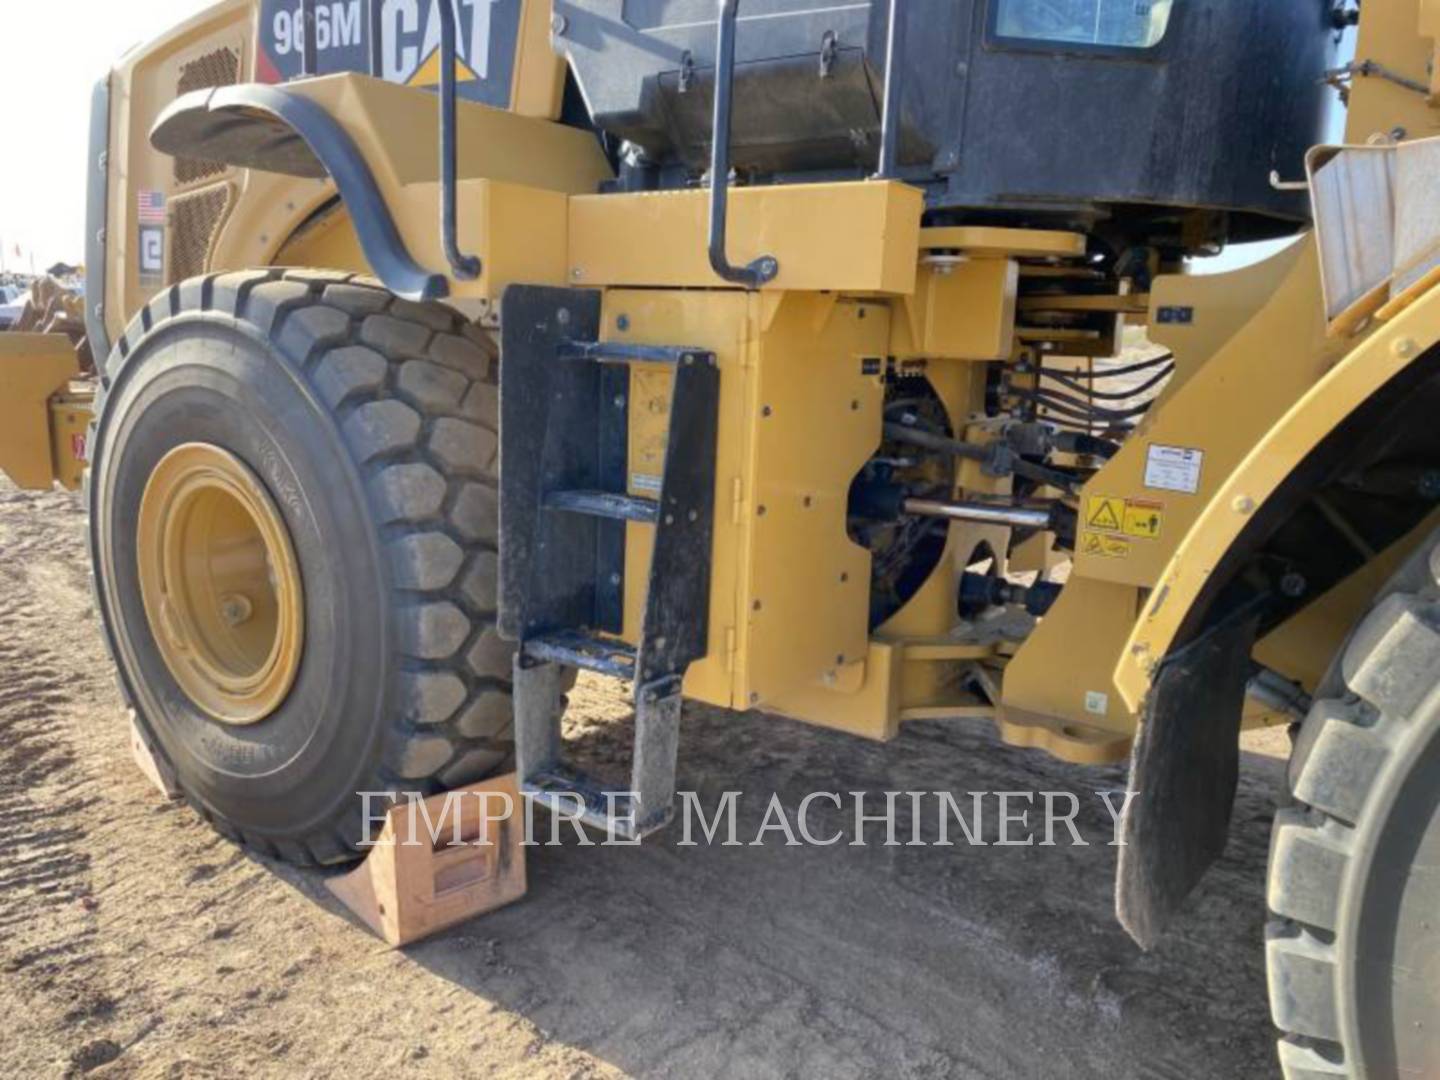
[[275, 129]]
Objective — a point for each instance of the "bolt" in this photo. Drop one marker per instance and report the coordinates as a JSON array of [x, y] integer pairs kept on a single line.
[[755, 606], [559, 24], [577, 273], [619, 401], [765, 410], [622, 323], [563, 316], [806, 501], [235, 609], [1293, 585], [844, 577], [855, 405], [1243, 504], [615, 579], [1404, 348], [760, 510], [754, 698], [694, 515], [840, 660], [669, 519]]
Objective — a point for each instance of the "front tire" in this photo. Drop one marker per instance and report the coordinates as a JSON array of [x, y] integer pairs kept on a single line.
[[369, 425], [1354, 939]]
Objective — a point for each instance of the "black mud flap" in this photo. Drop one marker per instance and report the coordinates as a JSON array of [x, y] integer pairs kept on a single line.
[[1184, 770]]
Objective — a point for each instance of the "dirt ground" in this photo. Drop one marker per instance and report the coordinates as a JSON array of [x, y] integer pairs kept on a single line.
[[136, 942]]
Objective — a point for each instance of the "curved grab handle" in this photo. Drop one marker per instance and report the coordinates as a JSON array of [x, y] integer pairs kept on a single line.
[[465, 267], [763, 269]]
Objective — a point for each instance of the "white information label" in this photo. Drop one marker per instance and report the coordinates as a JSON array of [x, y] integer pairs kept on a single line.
[[645, 482], [1173, 468], [1097, 702]]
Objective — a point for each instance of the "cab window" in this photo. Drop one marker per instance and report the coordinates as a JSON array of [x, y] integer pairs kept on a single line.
[[1134, 24]]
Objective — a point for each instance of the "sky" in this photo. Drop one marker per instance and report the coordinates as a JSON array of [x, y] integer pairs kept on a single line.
[[51, 53]]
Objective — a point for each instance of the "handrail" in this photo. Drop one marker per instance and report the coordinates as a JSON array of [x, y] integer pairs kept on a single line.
[[765, 268], [465, 267], [309, 48], [890, 120]]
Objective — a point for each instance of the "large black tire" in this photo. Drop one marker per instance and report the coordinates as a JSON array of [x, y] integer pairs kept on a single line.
[[1354, 894], [372, 423]]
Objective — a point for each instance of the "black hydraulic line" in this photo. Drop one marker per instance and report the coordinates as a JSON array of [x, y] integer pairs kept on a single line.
[[891, 118], [465, 267], [765, 268], [938, 443], [1114, 395], [1111, 373], [1076, 407]]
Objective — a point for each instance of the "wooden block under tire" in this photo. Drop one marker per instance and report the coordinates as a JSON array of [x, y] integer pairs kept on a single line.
[[440, 861], [152, 762]]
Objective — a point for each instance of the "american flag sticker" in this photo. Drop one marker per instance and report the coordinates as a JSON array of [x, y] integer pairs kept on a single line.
[[151, 207]]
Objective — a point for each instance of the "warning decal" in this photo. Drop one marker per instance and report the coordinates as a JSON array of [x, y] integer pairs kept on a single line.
[[1104, 547], [1107, 515], [1141, 519]]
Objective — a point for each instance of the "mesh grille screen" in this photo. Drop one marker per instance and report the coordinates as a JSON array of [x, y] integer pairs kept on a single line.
[[194, 218], [218, 68]]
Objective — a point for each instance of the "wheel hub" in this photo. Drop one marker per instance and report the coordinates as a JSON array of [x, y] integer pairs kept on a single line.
[[220, 583]]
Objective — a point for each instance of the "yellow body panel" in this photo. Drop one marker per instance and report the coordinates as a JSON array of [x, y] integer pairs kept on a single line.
[[1064, 668], [965, 312], [396, 128], [799, 415], [34, 368], [1380, 109], [659, 239], [818, 394], [981, 241], [722, 322], [1226, 405], [1253, 479]]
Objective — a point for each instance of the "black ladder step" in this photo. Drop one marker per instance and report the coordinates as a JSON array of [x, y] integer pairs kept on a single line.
[[605, 504], [574, 649]]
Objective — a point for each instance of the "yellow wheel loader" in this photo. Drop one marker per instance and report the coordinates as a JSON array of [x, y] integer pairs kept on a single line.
[[852, 362]]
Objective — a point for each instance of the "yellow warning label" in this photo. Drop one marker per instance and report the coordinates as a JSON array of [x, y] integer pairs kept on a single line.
[[1104, 547], [1143, 519], [1105, 513], [1140, 518]]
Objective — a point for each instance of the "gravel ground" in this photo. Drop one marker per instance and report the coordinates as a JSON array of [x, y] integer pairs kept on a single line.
[[136, 942]]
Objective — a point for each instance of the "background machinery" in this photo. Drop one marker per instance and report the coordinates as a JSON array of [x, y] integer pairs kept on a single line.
[[765, 353]]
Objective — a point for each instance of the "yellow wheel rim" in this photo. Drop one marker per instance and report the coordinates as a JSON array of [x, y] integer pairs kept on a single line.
[[220, 583]]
